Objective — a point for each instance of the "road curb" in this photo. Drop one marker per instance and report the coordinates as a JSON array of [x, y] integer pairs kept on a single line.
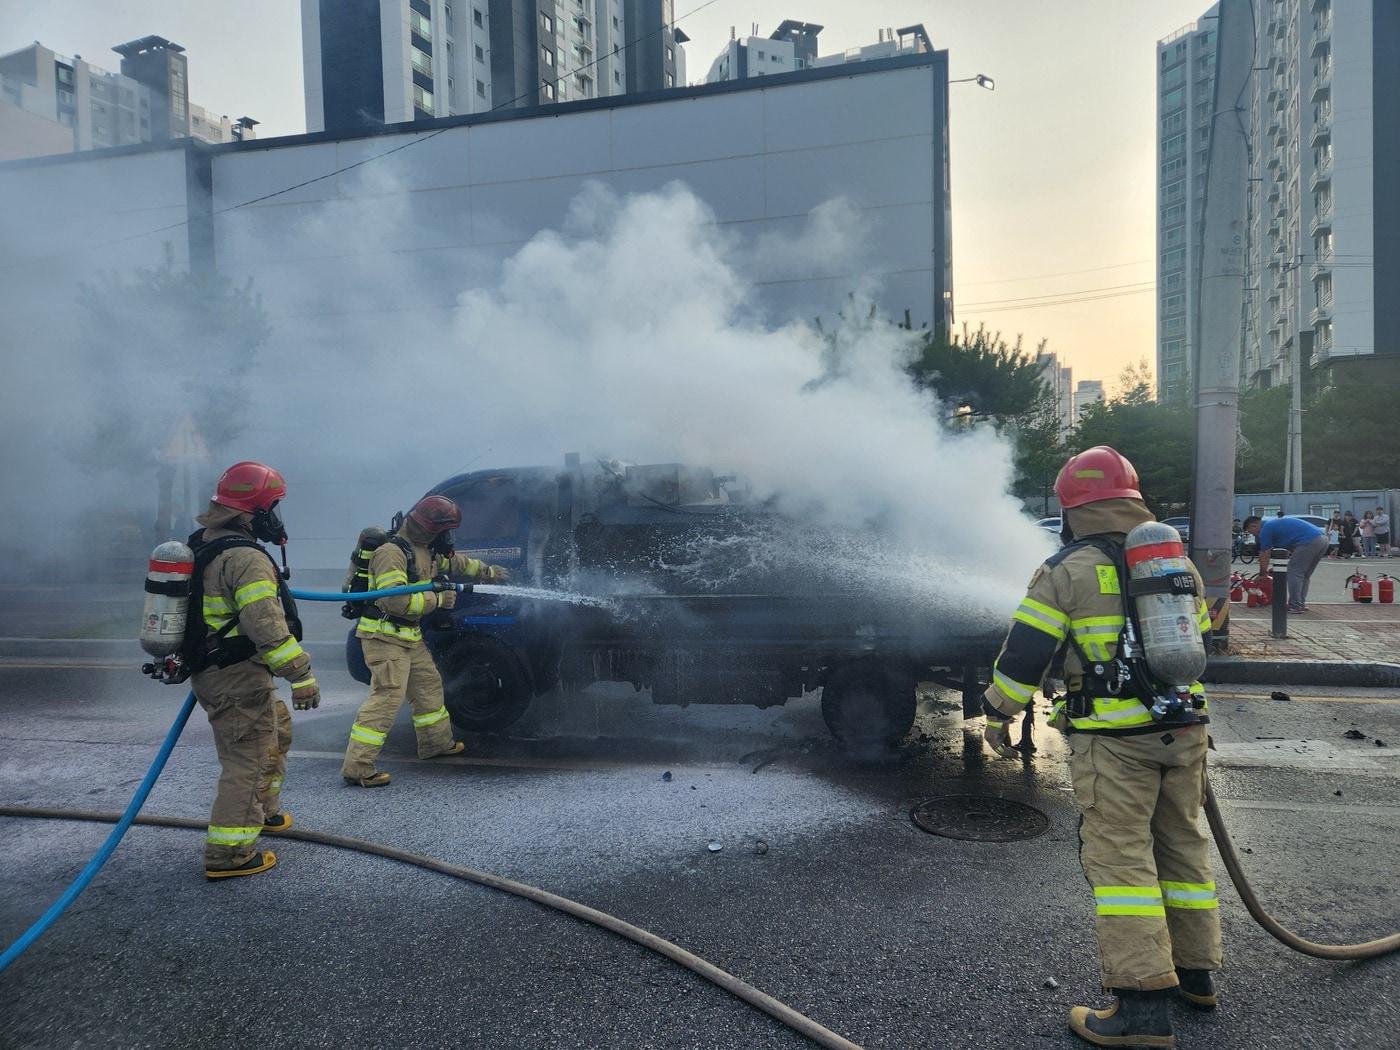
[[1236, 670]]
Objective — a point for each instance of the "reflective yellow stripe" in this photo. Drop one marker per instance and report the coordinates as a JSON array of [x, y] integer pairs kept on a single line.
[[1013, 690], [1129, 900], [416, 603], [254, 592], [994, 724], [432, 718], [365, 735], [1203, 619], [1199, 896], [275, 785], [308, 681], [411, 633], [284, 653], [216, 605], [1042, 617], [392, 578], [228, 836], [1114, 713]]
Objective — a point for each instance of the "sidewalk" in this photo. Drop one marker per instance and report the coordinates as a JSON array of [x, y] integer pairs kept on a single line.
[[1365, 633]]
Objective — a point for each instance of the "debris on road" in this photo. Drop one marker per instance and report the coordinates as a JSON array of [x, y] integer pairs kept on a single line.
[[1279, 694], [760, 847], [1050, 982], [666, 776], [1354, 734], [715, 846]]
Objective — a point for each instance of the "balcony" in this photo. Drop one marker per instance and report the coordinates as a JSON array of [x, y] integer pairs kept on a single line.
[[1275, 193], [1321, 38], [1322, 174], [1321, 314], [1322, 128], [1320, 268], [1321, 6], [1322, 218], [1322, 83]]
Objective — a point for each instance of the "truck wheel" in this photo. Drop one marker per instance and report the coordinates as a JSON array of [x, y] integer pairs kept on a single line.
[[867, 703], [485, 686]]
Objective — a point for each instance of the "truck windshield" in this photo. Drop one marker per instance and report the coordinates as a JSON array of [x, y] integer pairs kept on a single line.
[[490, 510]]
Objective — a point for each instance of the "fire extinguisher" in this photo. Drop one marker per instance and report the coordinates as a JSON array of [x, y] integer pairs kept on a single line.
[[1360, 587], [1236, 587], [1385, 589], [1261, 590]]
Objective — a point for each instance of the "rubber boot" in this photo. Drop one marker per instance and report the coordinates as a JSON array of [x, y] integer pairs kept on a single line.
[[1197, 987], [1136, 1019], [277, 822], [456, 749], [258, 862], [377, 779]]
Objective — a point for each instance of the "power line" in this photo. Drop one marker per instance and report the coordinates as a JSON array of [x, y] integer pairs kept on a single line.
[[1062, 273], [1060, 302], [1140, 285]]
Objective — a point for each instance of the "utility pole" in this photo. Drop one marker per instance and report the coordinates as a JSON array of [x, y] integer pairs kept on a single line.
[[1293, 482], [1221, 300]]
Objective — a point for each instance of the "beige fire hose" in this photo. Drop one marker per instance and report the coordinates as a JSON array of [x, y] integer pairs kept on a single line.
[[1366, 950], [798, 1022]]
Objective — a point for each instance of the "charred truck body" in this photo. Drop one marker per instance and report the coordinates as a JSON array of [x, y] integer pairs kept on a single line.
[[695, 592]]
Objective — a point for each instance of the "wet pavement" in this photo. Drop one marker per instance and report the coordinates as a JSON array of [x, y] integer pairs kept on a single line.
[[888, 935]]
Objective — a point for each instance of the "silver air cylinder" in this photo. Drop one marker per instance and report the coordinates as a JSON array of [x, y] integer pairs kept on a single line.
[[167, 598]]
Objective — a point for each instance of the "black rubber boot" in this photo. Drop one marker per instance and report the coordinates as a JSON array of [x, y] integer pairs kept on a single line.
[[1134, 1019], [1197, 988]]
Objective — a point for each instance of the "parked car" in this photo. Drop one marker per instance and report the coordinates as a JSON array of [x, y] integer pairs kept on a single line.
[[1050, 525], [1314, 519], [1182, 525]]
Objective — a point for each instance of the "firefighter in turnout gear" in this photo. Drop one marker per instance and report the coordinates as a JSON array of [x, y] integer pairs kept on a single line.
[[391, 633], [244, 612], [1139, 779]]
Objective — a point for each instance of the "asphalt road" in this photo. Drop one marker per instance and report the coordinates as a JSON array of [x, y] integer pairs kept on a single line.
[[886, 934]]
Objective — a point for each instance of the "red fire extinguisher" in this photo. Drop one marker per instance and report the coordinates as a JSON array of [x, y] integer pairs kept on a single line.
[[1264, 589], [1385, 589], [1360, 588], [1236, 587]]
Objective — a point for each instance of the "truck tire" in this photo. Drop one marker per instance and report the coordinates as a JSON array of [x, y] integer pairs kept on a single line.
[[485, 686], [866, 703]]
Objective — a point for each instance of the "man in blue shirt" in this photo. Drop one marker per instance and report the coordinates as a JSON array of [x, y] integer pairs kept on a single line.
[[1305, 543]]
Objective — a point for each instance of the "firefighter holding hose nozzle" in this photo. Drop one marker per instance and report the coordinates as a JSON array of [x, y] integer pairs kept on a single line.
[[391, 634], [1121, 608]]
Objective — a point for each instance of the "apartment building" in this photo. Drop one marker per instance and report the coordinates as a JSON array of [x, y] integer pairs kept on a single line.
[[367, 63], [793, 46], [53, 103], [1185, 104]]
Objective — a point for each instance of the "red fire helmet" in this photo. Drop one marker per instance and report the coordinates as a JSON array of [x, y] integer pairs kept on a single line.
[[250, 486], [1096, 474], [436, 514]]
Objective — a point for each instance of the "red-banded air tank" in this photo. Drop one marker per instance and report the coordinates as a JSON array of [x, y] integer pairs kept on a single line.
[[1171, 636], [167, 598]]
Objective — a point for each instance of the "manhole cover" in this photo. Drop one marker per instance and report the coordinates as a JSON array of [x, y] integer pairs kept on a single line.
[[979, 818]]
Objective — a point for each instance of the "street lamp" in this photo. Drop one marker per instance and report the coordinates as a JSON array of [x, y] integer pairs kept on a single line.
[[981, 80]]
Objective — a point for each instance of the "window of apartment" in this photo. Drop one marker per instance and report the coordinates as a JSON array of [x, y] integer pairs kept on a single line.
[[1174, 146], [1174, 326], [1173, 369], [1173, 99], [1175, 122], [563, 90], [617, 77], [1174, 236], [1324, 290], [547, 24], [423, 99], [65, 118], [617, 27], [670, 80], [476, 15], [1172, 304], [65, 75], [421, 62], [1174, 260], [547, 56], [1172, 281], [760, 56], [549, 91], [584, 84], [480, 89], [1322, 244], [480, 54], [1173, 348], [1174, 214], [420, 25], [671, 54], [1173, 168]]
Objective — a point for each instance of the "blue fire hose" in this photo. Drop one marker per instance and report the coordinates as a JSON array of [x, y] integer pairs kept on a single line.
[[138, 800]]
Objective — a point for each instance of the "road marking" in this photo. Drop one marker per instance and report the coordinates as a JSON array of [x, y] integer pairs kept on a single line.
[[1312, 807], [1304, 754], [1215, 694]]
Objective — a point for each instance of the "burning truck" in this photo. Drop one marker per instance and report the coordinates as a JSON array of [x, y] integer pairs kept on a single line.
[[676, 580]]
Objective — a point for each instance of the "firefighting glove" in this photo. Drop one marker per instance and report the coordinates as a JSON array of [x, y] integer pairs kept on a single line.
[[494, 574], [998, 737], [446, 599], [306, 694]]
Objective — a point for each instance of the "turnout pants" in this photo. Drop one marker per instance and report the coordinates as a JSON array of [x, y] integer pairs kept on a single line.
[[397, 673], [252, 735], [1145, 854]]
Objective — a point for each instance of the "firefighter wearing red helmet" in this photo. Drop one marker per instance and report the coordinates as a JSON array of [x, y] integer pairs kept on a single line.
[[251, 635], [391, 634], [1140, 783]]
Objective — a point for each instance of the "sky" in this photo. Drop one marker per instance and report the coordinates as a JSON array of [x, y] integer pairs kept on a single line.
[[1052, 173]]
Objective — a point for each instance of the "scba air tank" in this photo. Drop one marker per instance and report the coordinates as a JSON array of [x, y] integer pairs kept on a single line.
[[1164, 595], [167, 598]]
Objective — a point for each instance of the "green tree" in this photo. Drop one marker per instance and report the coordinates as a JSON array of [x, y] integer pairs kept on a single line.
[[979, 373], [1157, 437]]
